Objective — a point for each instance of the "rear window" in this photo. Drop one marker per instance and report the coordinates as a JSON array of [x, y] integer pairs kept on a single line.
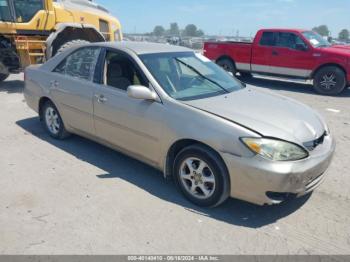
[[81, 64]]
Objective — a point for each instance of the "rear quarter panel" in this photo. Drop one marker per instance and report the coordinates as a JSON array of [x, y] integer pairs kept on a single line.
[[33, 89], [239, 52]]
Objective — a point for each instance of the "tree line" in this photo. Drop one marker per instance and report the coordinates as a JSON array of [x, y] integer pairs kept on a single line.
[[190, 30], [323, 30]]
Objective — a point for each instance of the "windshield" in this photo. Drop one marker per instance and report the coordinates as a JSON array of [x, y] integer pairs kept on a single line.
[[27, 9], [189, 76], [315, 39], [5, 14]]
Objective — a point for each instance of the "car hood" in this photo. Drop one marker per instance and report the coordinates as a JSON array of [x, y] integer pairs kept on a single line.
[[337, 49], [266, 113]]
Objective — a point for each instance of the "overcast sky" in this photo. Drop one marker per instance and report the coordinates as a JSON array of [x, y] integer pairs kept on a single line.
[[227, 16]]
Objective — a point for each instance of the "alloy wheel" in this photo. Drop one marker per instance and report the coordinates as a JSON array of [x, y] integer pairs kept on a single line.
[[197, 178], [329, 81], [52, 120]]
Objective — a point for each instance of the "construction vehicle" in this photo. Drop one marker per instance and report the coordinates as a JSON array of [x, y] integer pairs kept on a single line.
[[33, 31]]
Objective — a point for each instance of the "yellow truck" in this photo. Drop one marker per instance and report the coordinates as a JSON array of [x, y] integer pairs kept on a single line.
[[32, 31]]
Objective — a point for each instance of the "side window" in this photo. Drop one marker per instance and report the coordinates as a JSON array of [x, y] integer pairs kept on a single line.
[[268, 39], [5, 14], [120, 72], [289, 40], [104, 28], [81, 64]]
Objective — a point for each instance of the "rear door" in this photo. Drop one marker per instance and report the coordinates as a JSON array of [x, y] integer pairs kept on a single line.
[[72, 88], [291, 56], [132, 125], [262, 52]]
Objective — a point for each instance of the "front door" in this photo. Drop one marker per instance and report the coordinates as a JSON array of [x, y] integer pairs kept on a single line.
[[135, 126], [291, 56]]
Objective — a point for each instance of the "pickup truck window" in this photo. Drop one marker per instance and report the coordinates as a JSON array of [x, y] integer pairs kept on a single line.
[[189, 76], [268, 39], [289, 40]]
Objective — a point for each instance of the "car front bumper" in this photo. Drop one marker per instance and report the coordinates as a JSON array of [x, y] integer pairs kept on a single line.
[[265, 182]]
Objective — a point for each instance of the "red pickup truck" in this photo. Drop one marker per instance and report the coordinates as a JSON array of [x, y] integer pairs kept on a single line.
[[288, 53]]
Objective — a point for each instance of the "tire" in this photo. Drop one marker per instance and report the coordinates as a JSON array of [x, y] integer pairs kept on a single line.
[[70, 44], [52, 121], [4, 73], [3, 77], [329, 80], [206, 183], [246, 75], [228, 65]]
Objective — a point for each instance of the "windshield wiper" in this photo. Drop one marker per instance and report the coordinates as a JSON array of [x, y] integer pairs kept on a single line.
[[201, 75]]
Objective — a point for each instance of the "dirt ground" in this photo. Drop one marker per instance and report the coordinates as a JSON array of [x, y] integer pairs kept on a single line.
[[78, 197]]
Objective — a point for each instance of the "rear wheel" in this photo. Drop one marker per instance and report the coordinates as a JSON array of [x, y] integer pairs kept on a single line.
[[70, 44], [330, 80], [202, 176], [228, 65], [52, 121]]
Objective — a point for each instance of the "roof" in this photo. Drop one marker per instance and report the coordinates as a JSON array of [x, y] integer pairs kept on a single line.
[[141, 48], [285, 30]]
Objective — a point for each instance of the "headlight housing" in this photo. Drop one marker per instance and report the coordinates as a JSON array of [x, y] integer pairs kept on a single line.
[[275, 150]]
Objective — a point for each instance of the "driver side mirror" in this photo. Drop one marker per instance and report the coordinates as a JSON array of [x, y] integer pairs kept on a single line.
[[141, 92]]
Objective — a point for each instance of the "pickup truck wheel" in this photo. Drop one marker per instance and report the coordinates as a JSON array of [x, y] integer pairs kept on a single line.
[[3, 77], [228, 65], [330, 80], [202, 176]]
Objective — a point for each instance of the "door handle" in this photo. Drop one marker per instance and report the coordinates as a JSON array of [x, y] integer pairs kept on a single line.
[[275, 53], [54, 84], [101, 99]]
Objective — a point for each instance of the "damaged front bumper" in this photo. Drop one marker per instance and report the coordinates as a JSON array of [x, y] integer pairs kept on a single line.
[[265, 182]]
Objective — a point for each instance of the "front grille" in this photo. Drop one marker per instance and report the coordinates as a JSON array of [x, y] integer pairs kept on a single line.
[[315, 143]]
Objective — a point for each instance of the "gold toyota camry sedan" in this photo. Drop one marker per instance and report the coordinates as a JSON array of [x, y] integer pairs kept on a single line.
[[176, 110]]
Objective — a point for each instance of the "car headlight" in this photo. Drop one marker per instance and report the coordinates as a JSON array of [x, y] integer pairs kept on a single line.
[[275, 150]]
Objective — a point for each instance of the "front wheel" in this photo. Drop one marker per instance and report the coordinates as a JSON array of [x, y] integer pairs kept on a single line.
[[330, 80], [202, 176]]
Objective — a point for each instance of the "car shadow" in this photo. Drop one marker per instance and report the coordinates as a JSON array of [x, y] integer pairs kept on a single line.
[[276, 84], [12, 86], [117, 165]]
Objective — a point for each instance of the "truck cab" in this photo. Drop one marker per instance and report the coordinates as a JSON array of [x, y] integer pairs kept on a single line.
[[32, 31]]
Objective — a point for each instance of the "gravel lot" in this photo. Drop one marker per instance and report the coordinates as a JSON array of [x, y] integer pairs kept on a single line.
[[78, 197]]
